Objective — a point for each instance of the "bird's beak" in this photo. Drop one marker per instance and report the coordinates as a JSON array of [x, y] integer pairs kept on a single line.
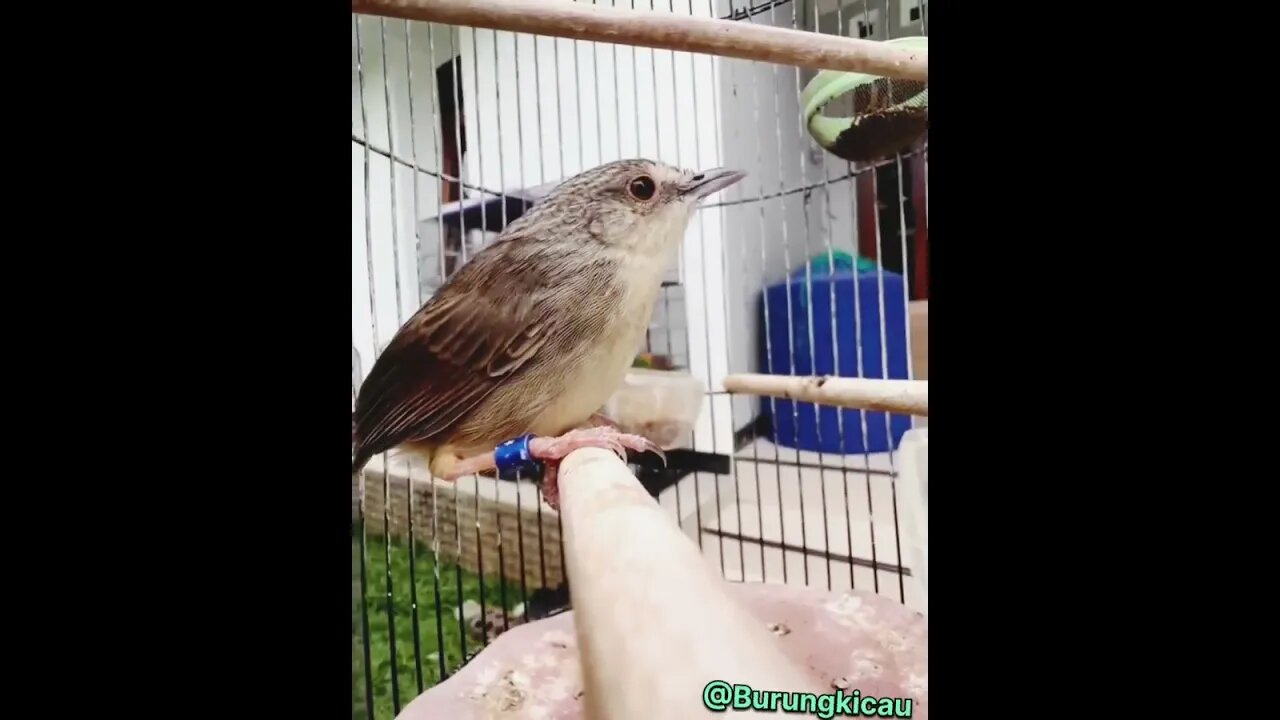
[[709, 181]]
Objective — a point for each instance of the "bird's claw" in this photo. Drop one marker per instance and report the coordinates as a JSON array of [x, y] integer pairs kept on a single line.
[[657, 450]]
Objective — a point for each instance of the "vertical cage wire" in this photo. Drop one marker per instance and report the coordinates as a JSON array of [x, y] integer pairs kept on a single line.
[[542, 178], [462, 258], [666, 298], [373, 305], [835, 349], [497, 487], [791, 368], [702, 246], [417, 253], [361, 584], [755, 447], [386, 473], [441, 247], [862, 371], [726, 307], [808, 275], [749, 14], [863, 420], [675, 117], [520, 182], [484, 229], [789, 210]]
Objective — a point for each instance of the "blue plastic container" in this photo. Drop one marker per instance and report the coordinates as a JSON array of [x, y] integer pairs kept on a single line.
[[788, 352]]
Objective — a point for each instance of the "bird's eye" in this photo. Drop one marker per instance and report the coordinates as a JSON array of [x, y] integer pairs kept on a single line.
[[642, 188]]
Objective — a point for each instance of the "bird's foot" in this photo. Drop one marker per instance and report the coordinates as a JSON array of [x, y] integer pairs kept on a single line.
[[604, 437], [533, 456]]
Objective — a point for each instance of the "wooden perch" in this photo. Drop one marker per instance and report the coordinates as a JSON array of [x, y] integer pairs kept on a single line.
[[909, 397], [655, 622], [667, 31]]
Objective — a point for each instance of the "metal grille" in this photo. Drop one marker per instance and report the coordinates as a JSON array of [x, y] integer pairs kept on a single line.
[[458, 130]]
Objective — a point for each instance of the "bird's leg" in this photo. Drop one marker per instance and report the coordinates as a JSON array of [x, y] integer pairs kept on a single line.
[[470, 466], [530, 454]]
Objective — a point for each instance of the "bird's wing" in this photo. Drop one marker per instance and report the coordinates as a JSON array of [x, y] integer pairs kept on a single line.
[[447, 359]]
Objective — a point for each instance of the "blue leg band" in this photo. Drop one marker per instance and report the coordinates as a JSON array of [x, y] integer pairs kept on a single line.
[[513, 458]]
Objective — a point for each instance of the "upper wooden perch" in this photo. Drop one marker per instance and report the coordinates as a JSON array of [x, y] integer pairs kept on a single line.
[[646, 28], [909, 397]]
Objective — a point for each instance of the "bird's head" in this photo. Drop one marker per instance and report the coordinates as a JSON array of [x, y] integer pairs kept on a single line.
[[628, 204]]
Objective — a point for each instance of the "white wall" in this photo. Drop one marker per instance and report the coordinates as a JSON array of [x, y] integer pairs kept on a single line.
[[389, 235]]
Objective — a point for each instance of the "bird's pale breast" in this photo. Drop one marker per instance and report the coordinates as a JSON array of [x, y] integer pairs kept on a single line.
[[577, 371], [603, 364]]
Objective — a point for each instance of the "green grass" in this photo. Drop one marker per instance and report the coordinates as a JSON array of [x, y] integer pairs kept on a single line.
[[429, 643]]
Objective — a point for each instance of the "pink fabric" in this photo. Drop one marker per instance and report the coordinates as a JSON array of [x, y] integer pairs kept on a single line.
[[850, 641]]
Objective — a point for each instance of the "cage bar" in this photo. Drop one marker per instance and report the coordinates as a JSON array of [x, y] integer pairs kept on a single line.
[[711, 36]]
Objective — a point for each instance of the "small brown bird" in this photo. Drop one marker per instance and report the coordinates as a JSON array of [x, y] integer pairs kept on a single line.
[[507, 365]]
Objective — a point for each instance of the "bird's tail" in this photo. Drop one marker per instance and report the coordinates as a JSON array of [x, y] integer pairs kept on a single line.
[[357, 464]]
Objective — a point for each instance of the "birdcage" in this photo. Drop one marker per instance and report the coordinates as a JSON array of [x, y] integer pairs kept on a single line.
[[812, 265]]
